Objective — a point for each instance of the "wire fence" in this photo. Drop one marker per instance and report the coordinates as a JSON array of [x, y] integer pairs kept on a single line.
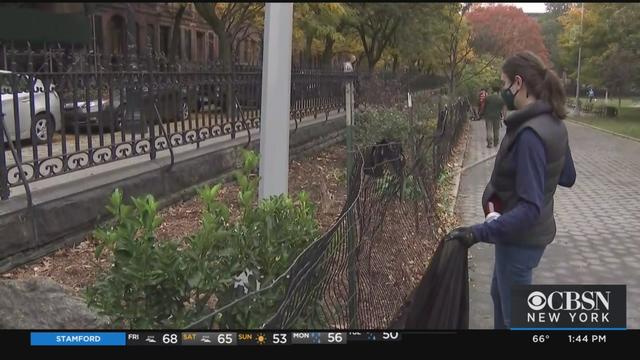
[[360, 272]]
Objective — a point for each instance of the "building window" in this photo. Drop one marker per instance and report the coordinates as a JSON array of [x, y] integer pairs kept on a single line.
[[210, 46], [216, 47], [118, 32], [138, 42], [151, 37], [164, 39], [189, 48], [200, 55], [98, 33]]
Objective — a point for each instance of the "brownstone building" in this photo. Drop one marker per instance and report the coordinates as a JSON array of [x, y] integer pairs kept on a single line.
[[153, 29]]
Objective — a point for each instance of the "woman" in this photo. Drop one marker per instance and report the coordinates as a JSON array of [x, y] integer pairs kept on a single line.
[[533, 158]]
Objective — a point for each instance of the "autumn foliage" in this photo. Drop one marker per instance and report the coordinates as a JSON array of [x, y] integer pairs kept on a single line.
[[505, 30]]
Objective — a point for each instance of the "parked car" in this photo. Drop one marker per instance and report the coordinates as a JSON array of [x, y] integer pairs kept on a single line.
[[113, 112], [213, 96], [45, 121], [83, 113], [219, 99]]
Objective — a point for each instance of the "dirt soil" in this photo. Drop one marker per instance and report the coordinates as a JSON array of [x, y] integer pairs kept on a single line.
[[322, 175]]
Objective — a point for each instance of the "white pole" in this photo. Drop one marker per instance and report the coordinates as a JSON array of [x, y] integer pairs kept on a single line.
[[276, 94], [577, 109]]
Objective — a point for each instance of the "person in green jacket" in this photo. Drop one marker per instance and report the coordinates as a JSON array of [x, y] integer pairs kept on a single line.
[[492, 113]]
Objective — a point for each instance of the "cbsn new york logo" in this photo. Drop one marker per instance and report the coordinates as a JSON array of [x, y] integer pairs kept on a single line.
[[569, 306], [592, 306]]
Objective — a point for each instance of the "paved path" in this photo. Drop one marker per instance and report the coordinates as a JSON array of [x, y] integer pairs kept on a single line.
[[598, 220]]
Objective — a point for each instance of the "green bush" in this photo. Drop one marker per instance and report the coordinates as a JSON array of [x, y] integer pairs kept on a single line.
[[412, 130], [168, 284], [392, 124], [390, 186], [605, 110], [375, 124], [587, 107]]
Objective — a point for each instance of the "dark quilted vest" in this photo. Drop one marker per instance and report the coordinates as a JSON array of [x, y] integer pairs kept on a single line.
[[537, 117]]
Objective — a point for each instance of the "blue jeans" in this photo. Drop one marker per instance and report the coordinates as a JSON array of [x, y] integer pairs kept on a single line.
[[513, 266]]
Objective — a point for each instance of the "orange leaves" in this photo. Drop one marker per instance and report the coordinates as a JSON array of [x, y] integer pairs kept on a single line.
[[505, 30]]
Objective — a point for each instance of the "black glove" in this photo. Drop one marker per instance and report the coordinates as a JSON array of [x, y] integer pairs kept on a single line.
[[463, 234]]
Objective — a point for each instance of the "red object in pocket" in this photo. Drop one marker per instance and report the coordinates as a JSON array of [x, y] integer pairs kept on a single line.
[[497, 205]]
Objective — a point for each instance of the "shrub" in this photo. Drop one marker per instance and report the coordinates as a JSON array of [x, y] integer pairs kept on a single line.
[[170, 284]]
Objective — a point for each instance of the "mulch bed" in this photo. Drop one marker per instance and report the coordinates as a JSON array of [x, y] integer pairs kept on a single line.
[[321, 175]]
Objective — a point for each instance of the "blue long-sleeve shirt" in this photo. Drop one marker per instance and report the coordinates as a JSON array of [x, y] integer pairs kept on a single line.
[[530, 157]]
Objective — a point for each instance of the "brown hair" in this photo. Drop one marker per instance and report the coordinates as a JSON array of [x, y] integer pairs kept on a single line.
[[542, 82]]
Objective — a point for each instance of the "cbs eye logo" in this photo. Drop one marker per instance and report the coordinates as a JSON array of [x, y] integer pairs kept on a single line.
[[536, 301]]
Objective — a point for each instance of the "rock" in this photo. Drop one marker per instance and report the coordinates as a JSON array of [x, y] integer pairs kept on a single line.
[[41, 303]]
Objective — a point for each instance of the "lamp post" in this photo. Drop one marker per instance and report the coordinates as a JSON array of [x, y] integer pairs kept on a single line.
[[276, 92], [577, 109]]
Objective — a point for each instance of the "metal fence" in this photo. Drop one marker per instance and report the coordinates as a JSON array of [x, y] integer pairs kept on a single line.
[[388, 90], [362, 270], [64, 111]]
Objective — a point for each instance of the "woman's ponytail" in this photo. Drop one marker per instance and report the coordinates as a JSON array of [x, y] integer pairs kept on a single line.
[[552, 91]]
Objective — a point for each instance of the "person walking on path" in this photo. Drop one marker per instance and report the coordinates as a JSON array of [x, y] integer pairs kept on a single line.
[[533, 159], [481, 100], [492, 113]]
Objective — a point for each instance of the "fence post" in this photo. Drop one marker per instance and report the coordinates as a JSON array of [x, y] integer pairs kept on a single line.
[[351, 246], [4, 178], [147, 108], [231, 104]]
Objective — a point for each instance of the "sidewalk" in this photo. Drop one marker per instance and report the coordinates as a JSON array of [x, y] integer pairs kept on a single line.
[[598, 220]]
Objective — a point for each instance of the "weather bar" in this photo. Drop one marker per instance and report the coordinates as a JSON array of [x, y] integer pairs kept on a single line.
[[193, 338]]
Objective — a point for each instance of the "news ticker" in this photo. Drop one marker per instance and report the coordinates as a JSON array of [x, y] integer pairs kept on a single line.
[[184, 338], [275, 338]]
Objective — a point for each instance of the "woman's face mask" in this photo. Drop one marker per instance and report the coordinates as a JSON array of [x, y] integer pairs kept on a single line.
[[509, 97]]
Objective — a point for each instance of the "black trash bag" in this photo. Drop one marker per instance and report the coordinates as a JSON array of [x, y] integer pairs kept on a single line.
[[441, 300], [382, 153]]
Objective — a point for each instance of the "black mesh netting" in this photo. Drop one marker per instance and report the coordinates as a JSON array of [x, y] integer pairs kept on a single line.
[[368, 270]]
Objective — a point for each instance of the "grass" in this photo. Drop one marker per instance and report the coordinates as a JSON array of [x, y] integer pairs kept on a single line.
[[613, 101], [627, 122]]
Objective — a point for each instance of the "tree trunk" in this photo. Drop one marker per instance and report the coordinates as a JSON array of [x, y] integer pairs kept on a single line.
[[619, 103], [224, 42], [452, 82], [175, 34], [327, 55], [307, 50], [395, 65], [226, 53], [371, 63]]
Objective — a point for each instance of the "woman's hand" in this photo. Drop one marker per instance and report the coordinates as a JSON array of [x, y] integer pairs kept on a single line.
[[462, 234]]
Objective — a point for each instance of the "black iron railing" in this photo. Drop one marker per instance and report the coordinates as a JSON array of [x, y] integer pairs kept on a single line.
[[70, 110]]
